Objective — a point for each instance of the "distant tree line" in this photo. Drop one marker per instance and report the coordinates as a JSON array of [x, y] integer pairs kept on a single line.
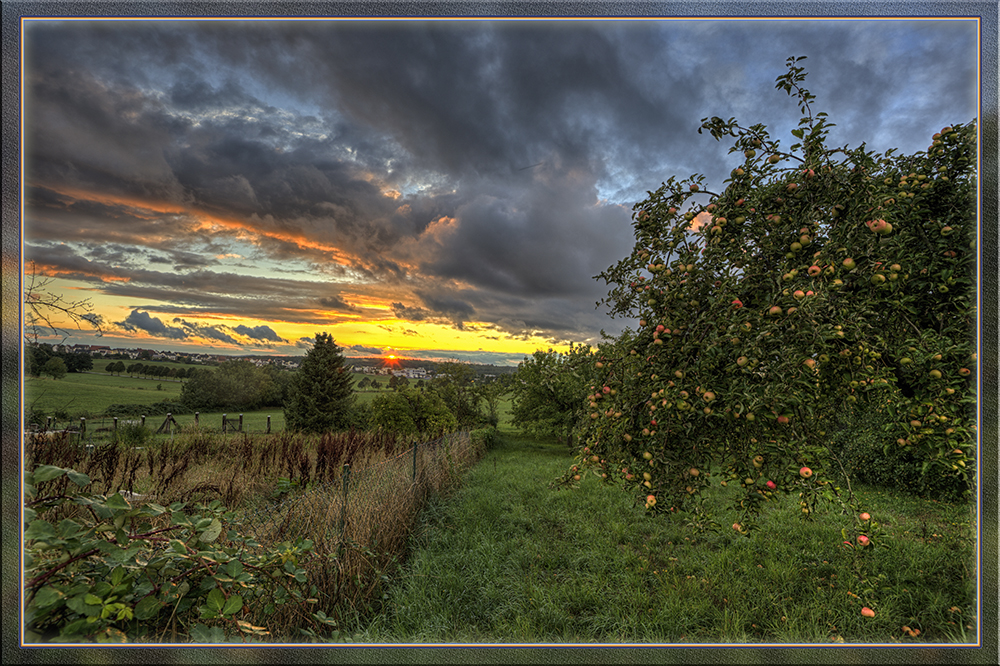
[[42, 359]]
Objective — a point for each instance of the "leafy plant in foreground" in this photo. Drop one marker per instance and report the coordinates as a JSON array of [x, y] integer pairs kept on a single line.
[[100, 569]]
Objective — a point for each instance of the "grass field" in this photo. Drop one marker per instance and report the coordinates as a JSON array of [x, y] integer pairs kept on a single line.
[[509, 560], [89, 394]]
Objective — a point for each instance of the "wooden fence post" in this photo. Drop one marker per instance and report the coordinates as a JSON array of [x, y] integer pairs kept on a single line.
[[83, 428], [142, 421], [170, 430], [268, 424], [241, 423], [196, 419], [116, 424]]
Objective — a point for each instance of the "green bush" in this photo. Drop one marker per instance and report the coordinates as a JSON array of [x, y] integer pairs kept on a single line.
[[489, 438], [131, 433]]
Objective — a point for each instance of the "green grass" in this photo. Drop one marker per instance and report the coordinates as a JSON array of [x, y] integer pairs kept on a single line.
[[84, 393], [508, 560]]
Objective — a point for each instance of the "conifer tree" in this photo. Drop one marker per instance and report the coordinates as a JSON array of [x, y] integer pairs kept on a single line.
[[322, 393]]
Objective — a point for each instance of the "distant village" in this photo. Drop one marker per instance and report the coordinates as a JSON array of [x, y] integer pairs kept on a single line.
[[408, 368]]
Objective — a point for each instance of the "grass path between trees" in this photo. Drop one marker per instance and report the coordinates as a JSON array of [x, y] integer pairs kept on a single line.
[[507, 559]]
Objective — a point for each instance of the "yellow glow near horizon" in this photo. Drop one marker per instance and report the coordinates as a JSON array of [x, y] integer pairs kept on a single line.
[[383, 332]]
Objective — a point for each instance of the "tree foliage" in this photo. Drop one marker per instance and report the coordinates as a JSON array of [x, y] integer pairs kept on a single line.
[[234, 385], [546, 390], [55, 367], [36, 355], [322, 392], [819, 282], [411, 412], [455, 384]]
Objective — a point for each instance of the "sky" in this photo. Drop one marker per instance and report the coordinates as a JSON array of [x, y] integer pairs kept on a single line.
[[434, 189]]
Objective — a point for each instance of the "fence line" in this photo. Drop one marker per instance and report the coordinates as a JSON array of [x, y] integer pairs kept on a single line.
[[168, 425]]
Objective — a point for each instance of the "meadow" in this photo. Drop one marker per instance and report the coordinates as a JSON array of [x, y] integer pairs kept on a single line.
[[509, 559]]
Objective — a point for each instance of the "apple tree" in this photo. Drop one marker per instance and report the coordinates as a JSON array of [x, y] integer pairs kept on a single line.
[[817, 282]]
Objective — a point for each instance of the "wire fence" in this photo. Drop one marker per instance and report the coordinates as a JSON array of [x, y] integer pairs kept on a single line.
[[332, 510]]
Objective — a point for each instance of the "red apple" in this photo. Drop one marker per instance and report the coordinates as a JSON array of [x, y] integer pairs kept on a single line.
[[805, 472], [865, 516], [849, 264], [771, 484], [862, 540], [867, 612]]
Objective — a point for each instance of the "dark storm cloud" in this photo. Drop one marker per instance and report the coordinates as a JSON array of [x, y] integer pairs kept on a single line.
[[141, 321], [336, 303], [515, 150], [210, 332], [261, 333], [362, 350]]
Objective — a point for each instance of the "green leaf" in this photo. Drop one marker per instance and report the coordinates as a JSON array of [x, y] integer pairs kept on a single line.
[[202, 634], [234, 568], [212, 532], [215, 599], [47, 473], [148, 608], [69, 528], [39, 530], [48, 596], [79, 478], [178, 546], [116, 501], [233, 605]]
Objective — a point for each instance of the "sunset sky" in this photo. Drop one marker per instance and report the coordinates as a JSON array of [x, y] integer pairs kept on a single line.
[[443, 189]]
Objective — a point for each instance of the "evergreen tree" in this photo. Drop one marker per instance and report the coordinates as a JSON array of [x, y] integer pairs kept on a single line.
[[321, 394]]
